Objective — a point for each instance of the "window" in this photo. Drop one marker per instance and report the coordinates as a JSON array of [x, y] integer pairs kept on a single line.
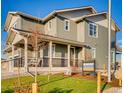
[[15, 25], [66, 25], [49, 25], [93, 30], [53, 50], [93, 52]]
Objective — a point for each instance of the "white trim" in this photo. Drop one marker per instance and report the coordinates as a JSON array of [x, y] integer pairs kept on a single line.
[[65, 25], [94, 24], [92, 51]]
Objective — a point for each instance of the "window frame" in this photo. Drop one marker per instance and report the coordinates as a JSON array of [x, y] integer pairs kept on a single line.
[[15, 25], [49, 27], [113, 56], [94, 24], [65, 25]]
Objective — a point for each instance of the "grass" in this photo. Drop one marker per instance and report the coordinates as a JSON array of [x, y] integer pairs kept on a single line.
[[57, 84]]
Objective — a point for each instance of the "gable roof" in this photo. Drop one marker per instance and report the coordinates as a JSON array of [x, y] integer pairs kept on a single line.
[[52, 14], [98, 14]]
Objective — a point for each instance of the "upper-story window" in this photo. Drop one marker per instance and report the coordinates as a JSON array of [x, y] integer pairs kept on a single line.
[[49, 25], [66, 25], [93, 29]]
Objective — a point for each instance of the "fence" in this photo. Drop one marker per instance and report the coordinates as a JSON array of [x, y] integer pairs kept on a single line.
[[77, 66], [81, 66], [88, 66]]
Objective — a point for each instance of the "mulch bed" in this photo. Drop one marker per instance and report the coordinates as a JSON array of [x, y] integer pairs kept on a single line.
[[114, 83], [84, 77]]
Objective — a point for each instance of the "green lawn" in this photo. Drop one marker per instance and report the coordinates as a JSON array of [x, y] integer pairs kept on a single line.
[[57, 84]]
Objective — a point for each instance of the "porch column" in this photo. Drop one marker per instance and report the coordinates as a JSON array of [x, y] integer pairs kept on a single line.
[[26, 54], [74, 57], [69, 55], [50, 54], [82, 53], [11, 63]]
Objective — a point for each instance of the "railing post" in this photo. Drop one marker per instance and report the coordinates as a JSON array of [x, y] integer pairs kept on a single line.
[[50, 59], [98, 82], [34, 87], [94, 66], [50, 54]]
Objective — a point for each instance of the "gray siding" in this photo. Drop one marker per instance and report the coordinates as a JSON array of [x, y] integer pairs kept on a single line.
[[72, 34], [53, 29], [30, 25], [100, 43], [81, 31]]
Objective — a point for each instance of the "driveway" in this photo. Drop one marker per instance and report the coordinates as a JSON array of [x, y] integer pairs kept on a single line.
[[113, 90]]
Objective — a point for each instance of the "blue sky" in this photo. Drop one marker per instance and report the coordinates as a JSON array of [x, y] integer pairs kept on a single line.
[[41, 8]]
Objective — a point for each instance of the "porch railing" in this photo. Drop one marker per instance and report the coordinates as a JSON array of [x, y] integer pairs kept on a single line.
[[59, 62], [44, 62], [56, 62]]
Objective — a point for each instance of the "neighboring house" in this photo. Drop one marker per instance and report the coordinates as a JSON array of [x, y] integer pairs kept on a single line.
[[71, 35]]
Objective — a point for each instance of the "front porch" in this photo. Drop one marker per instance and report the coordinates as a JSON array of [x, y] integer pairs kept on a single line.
[[55, 54]]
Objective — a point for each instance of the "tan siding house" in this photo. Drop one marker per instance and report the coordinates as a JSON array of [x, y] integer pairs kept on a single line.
[[70, 36]]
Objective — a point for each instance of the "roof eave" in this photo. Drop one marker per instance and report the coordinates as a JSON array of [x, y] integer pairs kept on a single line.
[[21, 14]]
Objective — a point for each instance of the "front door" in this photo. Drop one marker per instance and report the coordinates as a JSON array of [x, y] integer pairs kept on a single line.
[[72, 56]]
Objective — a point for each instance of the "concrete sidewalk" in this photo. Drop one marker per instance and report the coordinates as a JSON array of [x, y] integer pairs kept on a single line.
[[113, 90], [11, 75]]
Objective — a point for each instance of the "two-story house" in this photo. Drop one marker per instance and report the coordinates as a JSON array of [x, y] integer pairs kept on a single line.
[[69, 36]]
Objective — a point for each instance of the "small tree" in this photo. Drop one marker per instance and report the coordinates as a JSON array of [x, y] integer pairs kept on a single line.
[[38, 32], [34, 41]]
